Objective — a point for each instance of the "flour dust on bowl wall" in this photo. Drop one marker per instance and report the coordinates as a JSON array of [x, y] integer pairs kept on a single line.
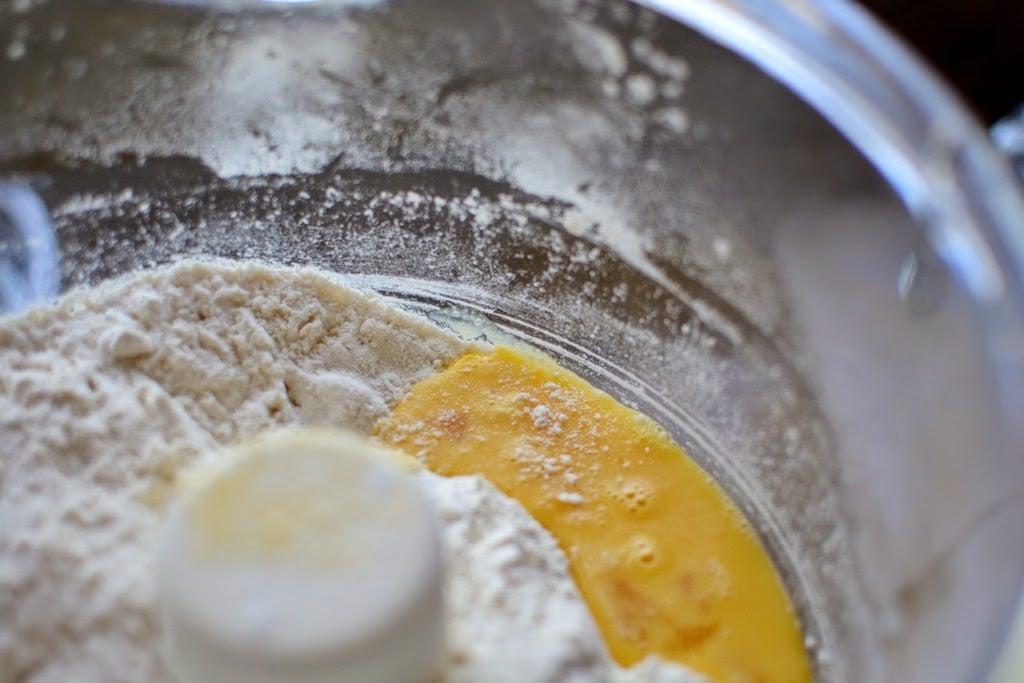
[[684, 386]]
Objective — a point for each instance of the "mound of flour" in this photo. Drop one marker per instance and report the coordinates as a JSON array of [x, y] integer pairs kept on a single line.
[[107, 394]]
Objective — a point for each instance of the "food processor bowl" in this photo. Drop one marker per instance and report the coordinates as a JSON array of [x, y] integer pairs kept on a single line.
[[763, 223]]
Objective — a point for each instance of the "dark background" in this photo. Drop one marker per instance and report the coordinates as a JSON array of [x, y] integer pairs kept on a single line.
[[978, 45]]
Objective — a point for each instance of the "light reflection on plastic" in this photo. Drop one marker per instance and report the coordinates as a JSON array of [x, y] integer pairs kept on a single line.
[[29, 258]]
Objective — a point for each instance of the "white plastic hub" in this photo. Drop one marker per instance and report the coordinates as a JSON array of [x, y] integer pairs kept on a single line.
[[303, 557]]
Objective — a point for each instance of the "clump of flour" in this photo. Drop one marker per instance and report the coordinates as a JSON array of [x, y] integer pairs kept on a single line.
[[106, 395]]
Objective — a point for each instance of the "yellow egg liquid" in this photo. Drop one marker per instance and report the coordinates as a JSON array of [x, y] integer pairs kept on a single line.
[[666, 562]]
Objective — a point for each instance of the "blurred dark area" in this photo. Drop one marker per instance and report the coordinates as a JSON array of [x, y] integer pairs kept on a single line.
[[978, 45]]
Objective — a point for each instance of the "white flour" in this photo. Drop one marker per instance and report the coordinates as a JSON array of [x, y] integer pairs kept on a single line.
[[107, 394]]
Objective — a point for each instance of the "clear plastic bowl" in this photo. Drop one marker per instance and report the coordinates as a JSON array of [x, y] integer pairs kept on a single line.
[[821, 300]]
